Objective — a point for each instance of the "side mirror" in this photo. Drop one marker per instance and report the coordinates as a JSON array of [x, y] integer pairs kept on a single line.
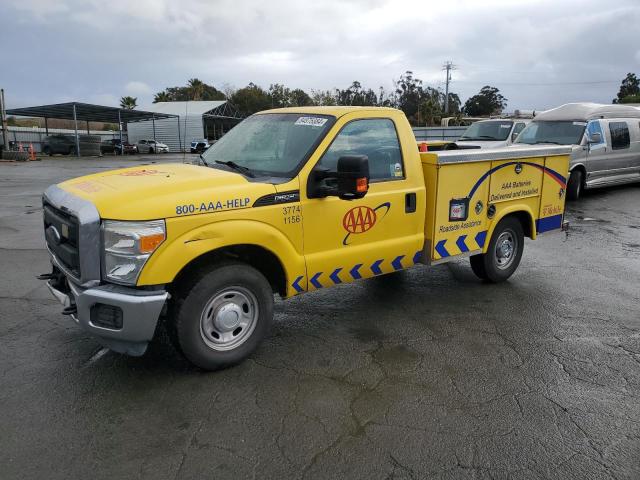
[[595, 137], [353, 177], [349, 182]]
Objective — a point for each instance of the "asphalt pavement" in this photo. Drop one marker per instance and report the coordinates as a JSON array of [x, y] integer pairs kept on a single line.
[[429, 373]]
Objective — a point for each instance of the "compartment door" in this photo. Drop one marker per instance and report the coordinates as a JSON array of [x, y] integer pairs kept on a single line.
[[460, 225], [515, 183], [553, 194]]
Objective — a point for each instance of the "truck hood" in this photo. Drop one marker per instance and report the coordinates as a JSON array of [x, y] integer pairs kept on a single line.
[[166, 190]]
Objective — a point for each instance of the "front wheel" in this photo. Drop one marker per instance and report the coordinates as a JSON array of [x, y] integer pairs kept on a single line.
[[503, 253], [223, 316], [574, 186]]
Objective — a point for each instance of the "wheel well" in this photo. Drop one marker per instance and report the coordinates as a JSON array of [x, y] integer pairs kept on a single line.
[[259, 258], [525, 220], [583, 170]]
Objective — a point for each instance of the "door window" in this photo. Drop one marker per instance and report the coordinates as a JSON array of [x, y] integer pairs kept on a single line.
[[619, 135], [594, 127], [375, 138]]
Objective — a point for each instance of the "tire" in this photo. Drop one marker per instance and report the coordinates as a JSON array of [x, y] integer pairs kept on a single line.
[[47, 151], [575, 185], [151, 150], [72, 151], [503, 253], [203, 333]]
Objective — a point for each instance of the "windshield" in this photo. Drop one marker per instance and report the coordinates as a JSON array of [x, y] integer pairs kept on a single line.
[[492, 131], [272, 144], [556, 132]]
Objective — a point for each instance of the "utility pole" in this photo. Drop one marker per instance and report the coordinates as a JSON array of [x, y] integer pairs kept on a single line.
[[3, 119], [447, 67]]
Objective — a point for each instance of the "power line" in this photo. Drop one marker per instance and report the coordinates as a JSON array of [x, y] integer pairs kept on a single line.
[[542, 84]]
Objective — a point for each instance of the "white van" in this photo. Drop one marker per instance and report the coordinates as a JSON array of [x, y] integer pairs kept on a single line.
[[492, 133], [605, 139]]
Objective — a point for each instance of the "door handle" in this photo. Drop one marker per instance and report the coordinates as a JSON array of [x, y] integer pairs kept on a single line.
[[410, 202]]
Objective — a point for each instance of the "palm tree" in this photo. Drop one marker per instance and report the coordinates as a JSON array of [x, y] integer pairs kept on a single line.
[[128, 103], [196, 88], [162, 97]]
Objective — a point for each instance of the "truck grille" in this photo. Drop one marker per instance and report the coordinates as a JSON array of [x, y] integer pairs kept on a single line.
[[62, 233]]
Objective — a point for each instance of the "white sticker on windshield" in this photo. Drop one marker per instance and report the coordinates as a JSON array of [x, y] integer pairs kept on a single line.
[[311, 121], [579, 124], [505, 125]]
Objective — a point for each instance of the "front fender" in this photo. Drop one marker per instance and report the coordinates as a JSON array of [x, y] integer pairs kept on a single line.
[[175, 253]]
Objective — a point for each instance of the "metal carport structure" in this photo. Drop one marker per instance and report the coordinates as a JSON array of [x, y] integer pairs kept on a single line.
[[199, 119], [86, 112]]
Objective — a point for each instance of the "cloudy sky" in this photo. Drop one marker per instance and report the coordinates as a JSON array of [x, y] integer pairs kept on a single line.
[[539, 53]]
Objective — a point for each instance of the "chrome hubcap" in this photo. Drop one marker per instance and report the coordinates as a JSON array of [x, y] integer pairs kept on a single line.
[[229, 318], [506, 247]]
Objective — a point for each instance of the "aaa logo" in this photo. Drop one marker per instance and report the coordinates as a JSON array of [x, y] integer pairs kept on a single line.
[[362, 219], [359, 219]]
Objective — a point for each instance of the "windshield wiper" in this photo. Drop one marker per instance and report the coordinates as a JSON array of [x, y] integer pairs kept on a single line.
[[238, 168], [546, 141]]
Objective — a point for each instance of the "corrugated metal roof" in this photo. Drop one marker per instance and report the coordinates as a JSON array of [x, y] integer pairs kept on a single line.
[[588, 111], [190, 108]]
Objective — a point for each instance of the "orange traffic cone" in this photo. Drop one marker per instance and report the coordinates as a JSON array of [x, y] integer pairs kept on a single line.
[[20, 149], [32, 152]]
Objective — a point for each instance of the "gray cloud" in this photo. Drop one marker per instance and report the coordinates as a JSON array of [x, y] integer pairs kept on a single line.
[[539, 53]]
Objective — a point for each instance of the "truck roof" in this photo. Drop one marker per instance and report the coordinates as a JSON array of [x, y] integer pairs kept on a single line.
[[584, 112], [336, 111]]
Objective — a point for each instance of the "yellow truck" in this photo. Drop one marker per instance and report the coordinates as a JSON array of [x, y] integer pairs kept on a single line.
[[289, 201]]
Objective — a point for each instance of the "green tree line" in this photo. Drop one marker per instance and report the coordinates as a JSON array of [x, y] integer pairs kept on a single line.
[[423, 105]]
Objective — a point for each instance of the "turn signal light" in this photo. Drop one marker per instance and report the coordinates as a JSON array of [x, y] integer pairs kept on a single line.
[[362, 185], [423, 147], [149, 243]]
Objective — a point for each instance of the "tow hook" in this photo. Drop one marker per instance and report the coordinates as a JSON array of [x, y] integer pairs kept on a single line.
[[565, 226], [70, 310]]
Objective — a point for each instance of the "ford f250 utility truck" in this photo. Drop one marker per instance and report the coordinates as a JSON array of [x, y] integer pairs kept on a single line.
[[289, 201]]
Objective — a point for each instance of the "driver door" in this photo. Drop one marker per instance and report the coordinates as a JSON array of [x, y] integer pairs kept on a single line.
[[346, 240]]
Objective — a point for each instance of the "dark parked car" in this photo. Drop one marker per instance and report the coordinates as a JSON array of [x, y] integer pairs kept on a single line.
[[63, 144], [114, 146]]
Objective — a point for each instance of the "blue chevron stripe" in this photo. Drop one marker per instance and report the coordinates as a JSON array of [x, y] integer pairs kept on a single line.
[[314, 280], [296, 284], [461, 245], [417, 257], [334, 276], [375, 267], [480, 238], [355, 273], [397, 262], [441, 249]]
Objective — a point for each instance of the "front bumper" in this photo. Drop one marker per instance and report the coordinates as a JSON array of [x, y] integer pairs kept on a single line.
[[141, 310]]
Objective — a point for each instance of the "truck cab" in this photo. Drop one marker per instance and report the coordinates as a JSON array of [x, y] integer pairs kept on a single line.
[[289, 201]]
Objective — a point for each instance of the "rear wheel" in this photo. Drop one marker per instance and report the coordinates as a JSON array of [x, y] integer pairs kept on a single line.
[[47, 151], [151, 150], [503, 253], [222, 317], [575, 185]]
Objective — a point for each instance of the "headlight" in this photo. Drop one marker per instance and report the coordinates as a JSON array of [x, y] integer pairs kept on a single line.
[[128, 246]]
